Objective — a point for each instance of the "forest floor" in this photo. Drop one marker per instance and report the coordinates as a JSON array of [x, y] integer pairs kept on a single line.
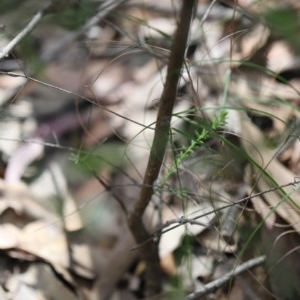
[[79, 96]]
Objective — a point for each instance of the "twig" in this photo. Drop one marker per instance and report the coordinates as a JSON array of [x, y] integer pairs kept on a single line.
[[228, 224], [293, 135], [103, 11], [183, 220], [149, 252], [30, 26], [13, 74], [109, 189], [216, 284], [207, 12]]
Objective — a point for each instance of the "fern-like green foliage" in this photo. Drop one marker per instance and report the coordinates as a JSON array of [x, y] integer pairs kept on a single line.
[[199, 139]]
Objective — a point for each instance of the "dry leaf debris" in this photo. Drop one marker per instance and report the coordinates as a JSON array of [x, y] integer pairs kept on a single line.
[[118, 64]]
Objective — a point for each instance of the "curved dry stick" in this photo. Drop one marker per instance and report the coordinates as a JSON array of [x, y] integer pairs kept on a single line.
[[149, 251]]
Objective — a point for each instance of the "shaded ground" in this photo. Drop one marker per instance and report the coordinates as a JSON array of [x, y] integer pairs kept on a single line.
[[79, 98]]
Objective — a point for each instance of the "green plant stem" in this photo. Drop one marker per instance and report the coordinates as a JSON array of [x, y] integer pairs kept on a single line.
[[149, 251]]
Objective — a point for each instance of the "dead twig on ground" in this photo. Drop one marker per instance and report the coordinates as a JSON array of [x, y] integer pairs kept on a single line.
[[25, 31], [216, 284]]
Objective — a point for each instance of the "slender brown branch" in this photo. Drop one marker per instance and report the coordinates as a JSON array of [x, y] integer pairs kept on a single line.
[[149, 252]]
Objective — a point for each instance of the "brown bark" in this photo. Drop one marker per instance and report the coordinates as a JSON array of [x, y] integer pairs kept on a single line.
[[149, 251]]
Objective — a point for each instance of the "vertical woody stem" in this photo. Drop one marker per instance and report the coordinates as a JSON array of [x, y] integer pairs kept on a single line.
[[149, 251]]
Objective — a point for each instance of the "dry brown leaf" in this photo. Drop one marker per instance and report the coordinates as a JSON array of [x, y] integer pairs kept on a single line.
[[21, 158], [40, 240], [213, 241], [288, 207], [265, 211], [38, 282], [193, 268], [100, 38], [17, 122], [168, 264], [295, 157], [46, 241], [103, 80], [250, 41], [280, 115], [19, 198], [9, 86], [147, 71], [9, 236], [103, 125], [216, 46], [63, 77], [51, 184], [153, 28], [273, 89], [172, 239], [83, 265], [280, 57]]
